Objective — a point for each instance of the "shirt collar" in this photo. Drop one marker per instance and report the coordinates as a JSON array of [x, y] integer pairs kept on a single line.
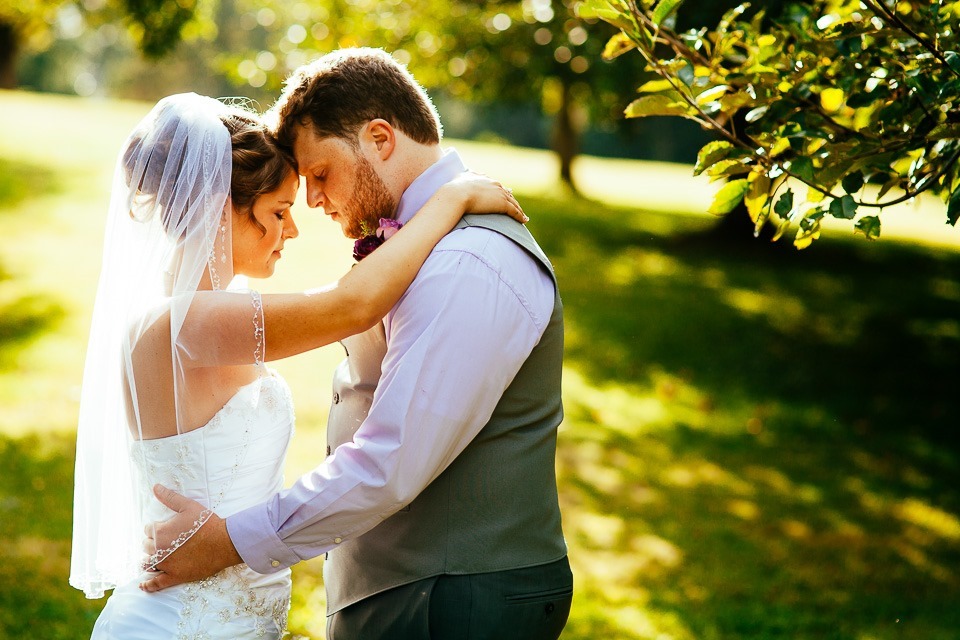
[[438, 174]]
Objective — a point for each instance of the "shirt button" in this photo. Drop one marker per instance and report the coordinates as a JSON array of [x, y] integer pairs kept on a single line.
[[338, 540], [275, 563], [336, 398]]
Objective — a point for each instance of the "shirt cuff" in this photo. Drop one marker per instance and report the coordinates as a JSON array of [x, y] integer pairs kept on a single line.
[[256, 540]]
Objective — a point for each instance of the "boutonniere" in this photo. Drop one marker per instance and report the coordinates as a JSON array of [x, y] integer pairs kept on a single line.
[[364, 246]]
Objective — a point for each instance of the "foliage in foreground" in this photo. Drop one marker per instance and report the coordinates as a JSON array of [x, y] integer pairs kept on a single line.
[[834, 94]]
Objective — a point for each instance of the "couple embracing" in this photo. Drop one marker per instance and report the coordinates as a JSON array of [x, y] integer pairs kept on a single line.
[[435, 501]]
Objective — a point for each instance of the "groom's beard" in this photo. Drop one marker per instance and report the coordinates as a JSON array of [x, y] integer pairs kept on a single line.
[[371, 200]]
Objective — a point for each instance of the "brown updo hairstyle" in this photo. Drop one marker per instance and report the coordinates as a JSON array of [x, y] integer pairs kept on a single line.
[[258, 166]]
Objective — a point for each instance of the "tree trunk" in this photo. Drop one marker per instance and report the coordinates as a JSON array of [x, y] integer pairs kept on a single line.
[[565, 138], [8, 55]]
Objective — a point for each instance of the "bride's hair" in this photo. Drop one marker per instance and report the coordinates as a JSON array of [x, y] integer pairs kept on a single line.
[[258, 167]]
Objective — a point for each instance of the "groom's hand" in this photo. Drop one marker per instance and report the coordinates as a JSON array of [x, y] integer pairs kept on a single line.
[[206, 552]]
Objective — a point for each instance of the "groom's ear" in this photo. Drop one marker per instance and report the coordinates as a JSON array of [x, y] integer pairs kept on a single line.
[[381, 136]]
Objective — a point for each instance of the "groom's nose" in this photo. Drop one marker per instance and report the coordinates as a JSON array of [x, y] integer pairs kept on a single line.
[[315, 196]]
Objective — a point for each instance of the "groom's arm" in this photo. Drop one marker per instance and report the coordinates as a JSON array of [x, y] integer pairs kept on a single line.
[[206, 552], [455, 341]]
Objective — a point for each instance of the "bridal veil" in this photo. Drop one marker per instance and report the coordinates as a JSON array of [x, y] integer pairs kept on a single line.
[[166, 264]]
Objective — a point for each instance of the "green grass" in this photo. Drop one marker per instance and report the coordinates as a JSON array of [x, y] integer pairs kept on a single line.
[[758, 443]]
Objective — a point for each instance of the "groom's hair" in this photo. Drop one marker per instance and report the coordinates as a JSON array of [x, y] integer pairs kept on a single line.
[[338, 93]]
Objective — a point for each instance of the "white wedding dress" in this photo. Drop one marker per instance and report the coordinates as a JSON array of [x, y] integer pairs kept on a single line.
[[236, 459]]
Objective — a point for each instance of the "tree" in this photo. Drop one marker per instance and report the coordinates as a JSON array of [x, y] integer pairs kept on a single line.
[[156, 25], [22, 23], [540, 50], [857, 100], [491, 51]]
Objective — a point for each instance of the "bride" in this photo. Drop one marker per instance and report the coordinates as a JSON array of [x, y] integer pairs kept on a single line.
[[175, 390]]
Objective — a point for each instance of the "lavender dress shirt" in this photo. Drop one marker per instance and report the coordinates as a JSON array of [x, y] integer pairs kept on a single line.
[[455, 340]]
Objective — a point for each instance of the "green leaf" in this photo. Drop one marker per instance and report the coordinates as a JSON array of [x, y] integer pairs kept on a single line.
[[946, 131], [712, 94], [618, 45], [852, 182], [657, 105], [842, 29], [711, 153], [731, 102], [832, 99], [869, 226], [834, 167], [606, 11], [655, 86], [892, 182], [784, 204], [664, 9], [778, 147], [953, 209], [757, 194], [728, 197], [845, 208], [726, 168], [802, 167], [809, 231]]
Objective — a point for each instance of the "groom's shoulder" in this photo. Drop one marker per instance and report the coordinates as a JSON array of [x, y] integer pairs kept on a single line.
[[487, 244], [475, 251]]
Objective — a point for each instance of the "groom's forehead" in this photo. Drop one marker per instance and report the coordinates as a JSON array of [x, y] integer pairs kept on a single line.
[[310, 147]]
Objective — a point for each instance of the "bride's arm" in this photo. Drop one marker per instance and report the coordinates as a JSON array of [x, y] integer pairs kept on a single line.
[[298, 322]]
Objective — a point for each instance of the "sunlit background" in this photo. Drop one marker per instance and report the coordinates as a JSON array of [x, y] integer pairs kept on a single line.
[[758, 442]]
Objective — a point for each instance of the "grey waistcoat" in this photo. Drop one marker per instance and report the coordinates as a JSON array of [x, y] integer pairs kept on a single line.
[[495, 507]]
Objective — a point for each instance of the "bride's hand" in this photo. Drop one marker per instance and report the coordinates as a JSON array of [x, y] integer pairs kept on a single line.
[[200, 539], [481, 194]]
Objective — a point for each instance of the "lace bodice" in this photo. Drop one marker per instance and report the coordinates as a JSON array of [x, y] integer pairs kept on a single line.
[[237, 459]]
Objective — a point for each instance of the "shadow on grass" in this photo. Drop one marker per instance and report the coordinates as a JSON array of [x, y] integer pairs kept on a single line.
[[35, 525], [759, 443], [23, 319], [20, 180]]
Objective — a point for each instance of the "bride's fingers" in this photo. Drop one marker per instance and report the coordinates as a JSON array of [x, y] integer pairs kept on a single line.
[[518, 215], [157, 583], [170, 498], [516, 211]]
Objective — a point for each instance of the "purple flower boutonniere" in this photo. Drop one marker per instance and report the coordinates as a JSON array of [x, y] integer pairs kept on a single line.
[[364, 246]]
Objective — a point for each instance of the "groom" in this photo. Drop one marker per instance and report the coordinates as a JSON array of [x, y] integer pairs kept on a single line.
[[437, 501]]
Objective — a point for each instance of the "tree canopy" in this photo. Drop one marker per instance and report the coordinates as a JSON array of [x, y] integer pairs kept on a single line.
[[494, 51], [857, 101], [157, 26]]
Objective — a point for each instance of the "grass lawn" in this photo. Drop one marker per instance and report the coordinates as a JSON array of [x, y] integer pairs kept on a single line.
[[759, 443]]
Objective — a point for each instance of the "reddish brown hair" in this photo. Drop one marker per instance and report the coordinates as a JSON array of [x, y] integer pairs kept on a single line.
[[343, 90]]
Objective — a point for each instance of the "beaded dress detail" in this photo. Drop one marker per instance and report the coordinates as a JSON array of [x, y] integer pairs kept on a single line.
[[236, 459]]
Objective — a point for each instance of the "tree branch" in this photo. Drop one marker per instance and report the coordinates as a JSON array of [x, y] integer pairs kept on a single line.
[[879, 8]]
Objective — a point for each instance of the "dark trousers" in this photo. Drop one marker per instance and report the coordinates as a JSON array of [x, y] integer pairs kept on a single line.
[[520, 604]]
